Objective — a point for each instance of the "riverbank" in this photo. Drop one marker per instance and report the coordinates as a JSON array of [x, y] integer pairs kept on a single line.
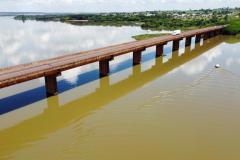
[[233, 27], [152, 20], [147, 36]]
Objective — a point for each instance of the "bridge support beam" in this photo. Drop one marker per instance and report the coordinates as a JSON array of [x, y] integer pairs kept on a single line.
[[104, 68], [188, 41], [198, 38], [159, 50], [137, 56], [51, 85], [175, 45]]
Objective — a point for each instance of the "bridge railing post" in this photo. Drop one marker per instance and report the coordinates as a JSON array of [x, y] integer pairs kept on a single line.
[[51, 84]]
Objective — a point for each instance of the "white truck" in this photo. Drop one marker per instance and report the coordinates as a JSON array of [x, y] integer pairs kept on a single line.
[[176, 32]]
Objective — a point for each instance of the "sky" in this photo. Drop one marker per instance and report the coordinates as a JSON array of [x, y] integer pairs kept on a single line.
[[110, 5]]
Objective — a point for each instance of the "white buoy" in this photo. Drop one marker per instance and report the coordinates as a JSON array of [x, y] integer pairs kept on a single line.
[[217, 66]]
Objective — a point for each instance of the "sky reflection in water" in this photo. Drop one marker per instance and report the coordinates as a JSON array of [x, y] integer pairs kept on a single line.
[[33, 41], [161, 109]]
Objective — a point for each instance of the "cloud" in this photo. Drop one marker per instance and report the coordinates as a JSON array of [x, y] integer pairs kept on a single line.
[[110, 5]]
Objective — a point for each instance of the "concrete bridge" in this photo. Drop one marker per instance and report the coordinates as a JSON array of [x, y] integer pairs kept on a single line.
[[52, 68]]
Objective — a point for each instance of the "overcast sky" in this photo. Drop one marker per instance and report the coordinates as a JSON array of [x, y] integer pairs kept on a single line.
[[110, 5]]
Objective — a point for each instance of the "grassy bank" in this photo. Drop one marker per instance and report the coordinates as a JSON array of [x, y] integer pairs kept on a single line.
[[147, 36], [153, 20], [233, 27]]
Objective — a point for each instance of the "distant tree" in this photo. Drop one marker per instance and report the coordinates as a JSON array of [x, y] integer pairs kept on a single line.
[[23, 18]]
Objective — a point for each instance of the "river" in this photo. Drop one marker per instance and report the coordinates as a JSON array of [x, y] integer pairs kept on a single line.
[[178, 106]]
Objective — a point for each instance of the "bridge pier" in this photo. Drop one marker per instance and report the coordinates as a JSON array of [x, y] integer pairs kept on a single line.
[[198, 38], [206, 36], [159, 50], [188, 41], [217, 32], [137, 56], [51, 85], [175, 45], [104, 68], [212, 34]]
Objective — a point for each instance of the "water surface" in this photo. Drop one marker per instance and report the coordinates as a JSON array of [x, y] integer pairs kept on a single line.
[[176, 107]]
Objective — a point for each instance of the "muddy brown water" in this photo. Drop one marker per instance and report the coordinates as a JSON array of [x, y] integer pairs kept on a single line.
[[176, 107]]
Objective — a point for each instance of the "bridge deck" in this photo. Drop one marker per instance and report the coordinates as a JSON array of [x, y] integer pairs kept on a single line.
[[21, 73]]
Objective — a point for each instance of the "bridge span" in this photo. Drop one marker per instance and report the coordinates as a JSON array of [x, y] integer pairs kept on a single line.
[[52, 68]]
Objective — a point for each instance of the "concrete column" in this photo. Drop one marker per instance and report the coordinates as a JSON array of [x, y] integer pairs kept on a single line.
[[206, 36], [175, 45], [198, 38], [188, 41], [137, 57], [209, 34], [104, 67], [220, 31], [51, 85], [159, 50], [212, 34]]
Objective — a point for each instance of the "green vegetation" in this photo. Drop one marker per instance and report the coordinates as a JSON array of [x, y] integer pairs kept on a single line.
[[233, 27], [154, 20], [147, 36]]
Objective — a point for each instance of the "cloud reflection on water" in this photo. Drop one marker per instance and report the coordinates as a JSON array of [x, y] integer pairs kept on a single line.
[[32, 41]]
